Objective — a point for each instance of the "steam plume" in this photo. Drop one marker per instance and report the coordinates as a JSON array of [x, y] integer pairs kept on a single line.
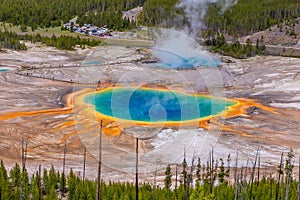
[[195, 11]]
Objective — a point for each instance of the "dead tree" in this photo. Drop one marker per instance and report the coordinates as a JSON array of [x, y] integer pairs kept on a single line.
[[99, 194], [244, 182], [211, 169], [40, 182], [184, 173], [137, 169], [190, 179], [23, 169], [258, 167], [63, 173], [24, 154], [299, 180], [235, 176], [253, 174], [279, 177], [84, 160], [176, 176], [154, 184]]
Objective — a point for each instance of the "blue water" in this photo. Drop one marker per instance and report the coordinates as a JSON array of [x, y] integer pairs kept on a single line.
[[173, 60], [150, 105], [92, 62], [4, 70]]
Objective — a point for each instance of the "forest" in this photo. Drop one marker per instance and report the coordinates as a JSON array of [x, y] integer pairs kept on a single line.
[[52, 13], [243, 18], [211, 180], [11, 40], [219, 44]]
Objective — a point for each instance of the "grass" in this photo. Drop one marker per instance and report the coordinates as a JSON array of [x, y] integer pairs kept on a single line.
[[128, 42], [48, 32], [44, 32]]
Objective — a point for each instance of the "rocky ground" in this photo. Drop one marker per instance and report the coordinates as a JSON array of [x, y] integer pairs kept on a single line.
[[40, 78]]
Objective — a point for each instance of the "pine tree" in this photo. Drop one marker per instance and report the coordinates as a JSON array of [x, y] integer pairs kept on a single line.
[[63, 183], [52, 194], [71, 185], [15, 175], [184, 173], [198, 171], [24, 184], [4, 183], [222, 173], [34, 187], [288, 168], [168, 177]]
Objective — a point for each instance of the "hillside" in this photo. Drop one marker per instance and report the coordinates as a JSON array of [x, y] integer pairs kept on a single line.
[[243, 18]]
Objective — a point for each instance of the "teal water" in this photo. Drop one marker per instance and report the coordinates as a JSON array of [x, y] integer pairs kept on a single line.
[[173, 60], [150, 105], [92, 62], [4, 70]]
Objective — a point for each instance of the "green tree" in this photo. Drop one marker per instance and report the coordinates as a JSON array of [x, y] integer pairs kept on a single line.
[[168, 177], [4, 183], [288, 168], [198, 171], [23, 28], [52, 194], [71, 185]]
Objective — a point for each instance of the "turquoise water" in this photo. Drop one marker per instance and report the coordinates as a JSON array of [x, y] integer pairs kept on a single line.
[[172, 60], [150, 105], [92, 62], [4, 70]]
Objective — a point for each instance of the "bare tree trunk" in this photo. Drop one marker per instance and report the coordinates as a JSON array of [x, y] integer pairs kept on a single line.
[[176, 176], [258, 168], [64, 159], [64, 166], [137, 170], [253, 174], [190, 179], [99, 194], [211, 170], [246, 171], [279, 176], [155, 178], [245, 185], [84, 160], [235, 177], [185, 178], [299, 180], [39, 182], [154, 184], [23, 156], [243, 182]]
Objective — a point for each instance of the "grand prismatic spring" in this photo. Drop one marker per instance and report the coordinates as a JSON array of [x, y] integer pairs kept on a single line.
[[148, 107], [171, 105], [158, 107]]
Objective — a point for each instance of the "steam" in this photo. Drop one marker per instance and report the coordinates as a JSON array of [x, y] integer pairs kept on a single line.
[[177, 50], [180, 49], [195, 11]]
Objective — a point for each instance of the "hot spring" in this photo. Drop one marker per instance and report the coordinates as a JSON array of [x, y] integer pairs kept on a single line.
[[4, 70], [170, 59], [155, 105]]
